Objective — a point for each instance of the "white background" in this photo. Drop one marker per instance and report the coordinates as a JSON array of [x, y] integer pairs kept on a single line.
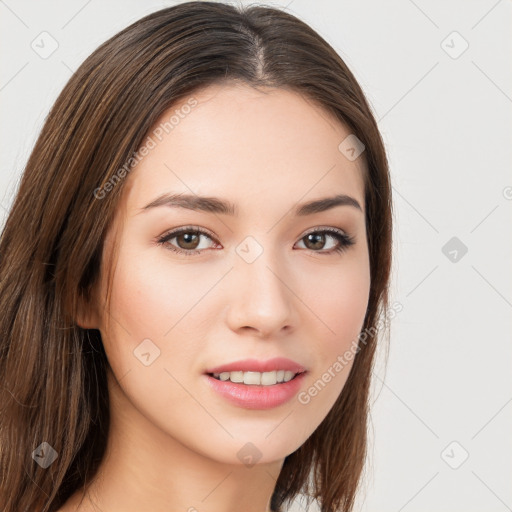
[[447, 126]]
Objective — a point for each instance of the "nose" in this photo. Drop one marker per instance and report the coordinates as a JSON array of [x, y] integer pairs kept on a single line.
[[261, 299]]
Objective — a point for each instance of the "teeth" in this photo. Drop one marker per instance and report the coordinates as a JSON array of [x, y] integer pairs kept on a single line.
[[253, 378], [234, 376], [257, 378], [288, 375]]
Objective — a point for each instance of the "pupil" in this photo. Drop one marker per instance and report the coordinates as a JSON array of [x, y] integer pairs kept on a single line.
[[320, 240], [188, 241]]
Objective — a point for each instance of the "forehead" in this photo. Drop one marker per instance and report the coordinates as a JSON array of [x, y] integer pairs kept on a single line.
[[241, 143]]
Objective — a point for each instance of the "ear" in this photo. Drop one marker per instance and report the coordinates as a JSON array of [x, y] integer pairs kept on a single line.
[[87, 316]]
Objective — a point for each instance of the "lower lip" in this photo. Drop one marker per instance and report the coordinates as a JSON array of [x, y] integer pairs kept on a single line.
[[250, 396]]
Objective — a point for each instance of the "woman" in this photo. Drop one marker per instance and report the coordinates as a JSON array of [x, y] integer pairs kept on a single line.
[[193, 274]]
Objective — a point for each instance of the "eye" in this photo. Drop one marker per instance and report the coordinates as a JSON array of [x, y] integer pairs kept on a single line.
[[318, 237], [188, 240]]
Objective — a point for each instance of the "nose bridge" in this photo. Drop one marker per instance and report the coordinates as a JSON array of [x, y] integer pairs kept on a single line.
[[261, 298]]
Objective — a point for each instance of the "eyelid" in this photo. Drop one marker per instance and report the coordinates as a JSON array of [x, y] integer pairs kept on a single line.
[[195, 229], [325, 228], [179, 230]]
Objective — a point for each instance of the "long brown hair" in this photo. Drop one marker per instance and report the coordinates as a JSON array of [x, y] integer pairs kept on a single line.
[[53, 372]]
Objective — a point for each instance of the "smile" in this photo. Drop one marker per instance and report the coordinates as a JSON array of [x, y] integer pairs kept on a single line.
[[256, 378]]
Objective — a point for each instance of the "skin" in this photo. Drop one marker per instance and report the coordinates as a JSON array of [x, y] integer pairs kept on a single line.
[[173, 442]]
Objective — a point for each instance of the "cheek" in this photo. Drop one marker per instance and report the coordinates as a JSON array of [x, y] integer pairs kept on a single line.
[[337, 295], [347, 306], [147, 301], [153, 299], [346, 303], [340, 307], [147, 295], [137, 313]]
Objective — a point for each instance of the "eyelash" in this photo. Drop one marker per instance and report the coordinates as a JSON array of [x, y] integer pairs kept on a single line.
[[344, 240]]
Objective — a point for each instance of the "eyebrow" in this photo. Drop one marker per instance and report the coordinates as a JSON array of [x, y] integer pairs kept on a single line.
[[221, 206]]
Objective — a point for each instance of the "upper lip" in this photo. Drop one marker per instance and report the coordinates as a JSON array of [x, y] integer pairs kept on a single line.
[[255, 365]]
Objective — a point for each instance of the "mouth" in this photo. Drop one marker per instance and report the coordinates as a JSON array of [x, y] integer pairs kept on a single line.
[[257, 378], [257, 390]]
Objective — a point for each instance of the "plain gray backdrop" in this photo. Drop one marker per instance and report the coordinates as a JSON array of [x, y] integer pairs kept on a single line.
[[438, 77]]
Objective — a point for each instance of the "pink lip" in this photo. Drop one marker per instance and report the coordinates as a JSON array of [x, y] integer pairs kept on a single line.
[[253, 365], [257, 397]]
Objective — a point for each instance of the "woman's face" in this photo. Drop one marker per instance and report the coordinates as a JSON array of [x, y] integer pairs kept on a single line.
[[252, 284]]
